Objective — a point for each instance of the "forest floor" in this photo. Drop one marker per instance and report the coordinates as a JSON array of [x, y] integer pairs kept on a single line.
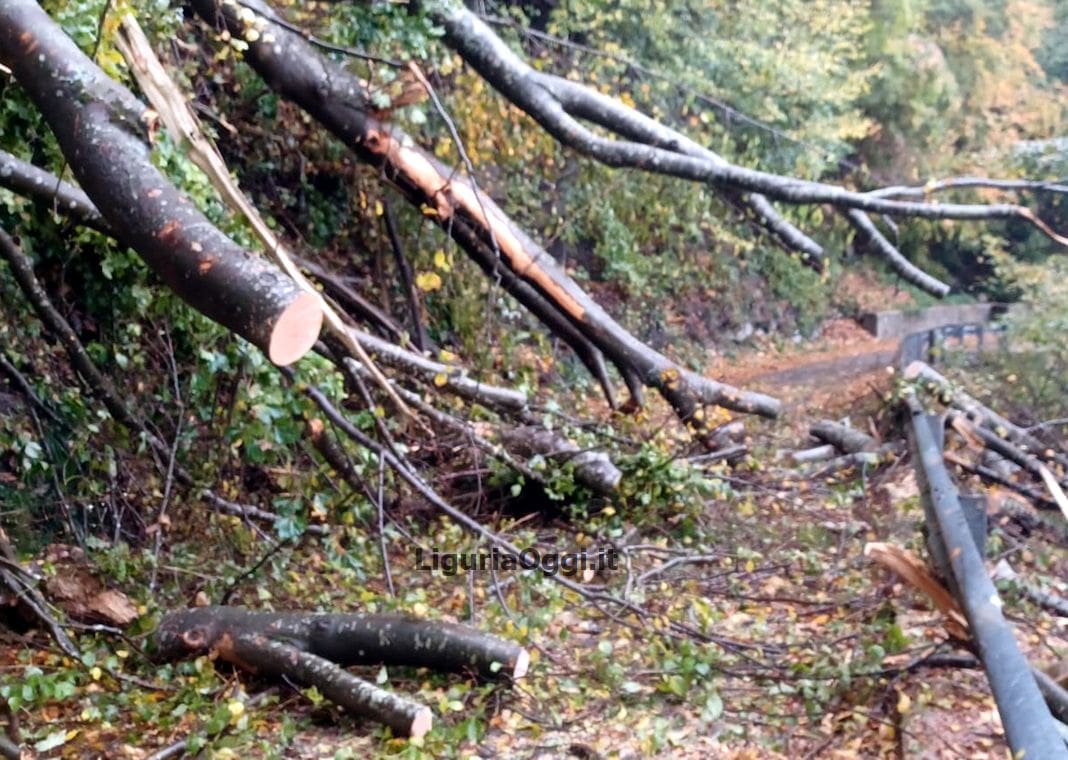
[[758, 629]]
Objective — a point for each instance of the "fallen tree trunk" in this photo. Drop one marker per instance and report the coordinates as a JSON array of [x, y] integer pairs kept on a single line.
[[339, 101], [844, 438], [346, 639], [313, 648], [593, 469], [103, 130]]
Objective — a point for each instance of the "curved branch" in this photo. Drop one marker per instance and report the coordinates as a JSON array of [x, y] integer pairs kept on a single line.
[[557, 103], [867, 230]]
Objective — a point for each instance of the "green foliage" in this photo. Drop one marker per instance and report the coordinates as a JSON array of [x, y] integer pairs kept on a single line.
[[798, 66], [1032, 380], [959, 81]]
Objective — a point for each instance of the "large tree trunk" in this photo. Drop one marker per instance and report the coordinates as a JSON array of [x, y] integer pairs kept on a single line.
[[103, 131], [340, 102]]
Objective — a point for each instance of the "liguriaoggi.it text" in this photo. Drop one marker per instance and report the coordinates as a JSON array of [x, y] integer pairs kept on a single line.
[[495, 560]]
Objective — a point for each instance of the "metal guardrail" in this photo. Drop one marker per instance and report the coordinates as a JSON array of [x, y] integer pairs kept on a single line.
[[929, 345], [957, 544]]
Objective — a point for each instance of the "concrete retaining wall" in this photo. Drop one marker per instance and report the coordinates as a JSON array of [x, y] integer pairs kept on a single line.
[[898, 324]]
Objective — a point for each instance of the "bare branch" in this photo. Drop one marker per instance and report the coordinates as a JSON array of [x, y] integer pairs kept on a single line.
[[557, 103], [969, 183], [908, 271], [26, 179]]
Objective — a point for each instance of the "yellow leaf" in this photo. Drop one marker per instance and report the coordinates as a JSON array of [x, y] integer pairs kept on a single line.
[[440, 379], [428, 281], [904, 703], [379, 208], [441, 261]]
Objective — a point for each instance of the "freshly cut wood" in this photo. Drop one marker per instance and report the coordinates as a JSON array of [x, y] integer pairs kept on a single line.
[[103, 131], [340, 101], [175, 113], [815, 454], [913, 570]]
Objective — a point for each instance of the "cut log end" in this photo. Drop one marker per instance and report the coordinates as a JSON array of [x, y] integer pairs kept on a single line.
[[296, 330], [421, 724], [522, 664]]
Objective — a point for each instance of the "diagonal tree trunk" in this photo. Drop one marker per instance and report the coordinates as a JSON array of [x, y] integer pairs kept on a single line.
[[103, 131], [339, 101]]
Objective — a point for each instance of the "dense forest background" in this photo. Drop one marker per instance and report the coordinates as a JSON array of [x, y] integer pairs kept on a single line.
[[860, 95]]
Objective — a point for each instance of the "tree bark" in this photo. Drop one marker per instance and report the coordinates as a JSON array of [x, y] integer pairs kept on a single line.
[[102, 130], [281, 659], [346, 639], [338, 100], [28, 180], [846, 439], [593, 469]]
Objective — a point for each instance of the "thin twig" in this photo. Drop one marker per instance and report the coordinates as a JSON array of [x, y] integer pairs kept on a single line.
[[383, 545]]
